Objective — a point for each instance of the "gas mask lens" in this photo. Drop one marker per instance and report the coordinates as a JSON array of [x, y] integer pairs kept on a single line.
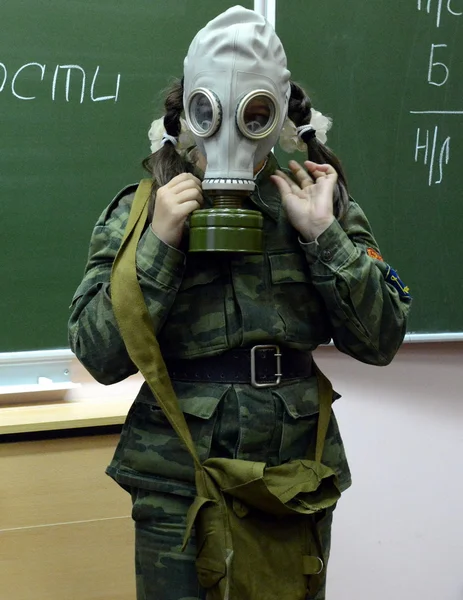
[[204, 112], [257, 114]]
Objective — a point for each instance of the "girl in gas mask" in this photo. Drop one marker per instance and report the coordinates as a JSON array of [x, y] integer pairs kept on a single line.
[[236, 329]]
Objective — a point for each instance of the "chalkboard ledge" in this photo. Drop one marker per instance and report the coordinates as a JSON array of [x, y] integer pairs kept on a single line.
[[43, 392], [432, 338], [69, 415]]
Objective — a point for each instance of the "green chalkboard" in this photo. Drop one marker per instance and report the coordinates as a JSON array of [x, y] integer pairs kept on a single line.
[[80, 82], [370, 65]]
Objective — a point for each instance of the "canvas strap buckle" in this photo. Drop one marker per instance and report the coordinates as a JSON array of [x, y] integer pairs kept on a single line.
[[278, 373]]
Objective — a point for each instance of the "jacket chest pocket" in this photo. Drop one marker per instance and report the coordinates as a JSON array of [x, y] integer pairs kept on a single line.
[[196, 323], [298, 303], [153, 447]]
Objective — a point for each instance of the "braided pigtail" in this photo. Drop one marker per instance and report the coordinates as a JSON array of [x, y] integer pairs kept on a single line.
[[300, 113], [166, 163]]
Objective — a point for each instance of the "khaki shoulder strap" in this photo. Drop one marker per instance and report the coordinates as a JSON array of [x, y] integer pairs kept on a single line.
[[135, 323], [325, 394]]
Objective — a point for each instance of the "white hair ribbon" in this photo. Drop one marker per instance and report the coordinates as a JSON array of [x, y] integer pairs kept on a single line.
[[168, 138]]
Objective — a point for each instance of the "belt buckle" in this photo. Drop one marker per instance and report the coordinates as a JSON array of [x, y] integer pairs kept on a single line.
[[278, 374]]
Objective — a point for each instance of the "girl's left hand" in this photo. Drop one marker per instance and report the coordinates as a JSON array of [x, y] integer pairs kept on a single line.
[[309, 202]]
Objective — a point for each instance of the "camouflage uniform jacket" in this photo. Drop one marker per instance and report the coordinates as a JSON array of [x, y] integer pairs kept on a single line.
[[296, 295]]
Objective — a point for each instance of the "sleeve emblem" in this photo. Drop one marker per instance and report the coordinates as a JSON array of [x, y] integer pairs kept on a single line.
[[372, 253], [393, 279]]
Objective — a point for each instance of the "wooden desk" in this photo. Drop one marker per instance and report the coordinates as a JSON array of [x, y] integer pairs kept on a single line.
[[65, 526]]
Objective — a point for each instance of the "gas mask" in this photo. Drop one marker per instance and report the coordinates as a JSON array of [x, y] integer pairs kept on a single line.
[[236, 93]]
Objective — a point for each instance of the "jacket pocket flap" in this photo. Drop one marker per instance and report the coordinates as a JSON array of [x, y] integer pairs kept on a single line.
[[289, 267], [199, 400], [300, 398], [200, 277]]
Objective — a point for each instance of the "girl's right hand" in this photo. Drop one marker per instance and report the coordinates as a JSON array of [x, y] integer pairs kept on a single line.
[[174, 202]]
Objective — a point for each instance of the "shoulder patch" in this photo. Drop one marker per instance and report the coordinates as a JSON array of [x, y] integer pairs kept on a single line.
[[372, 253], [392, 277]]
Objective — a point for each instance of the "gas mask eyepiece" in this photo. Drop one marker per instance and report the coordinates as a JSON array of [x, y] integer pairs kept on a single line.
[[204, 112], [257, 114]]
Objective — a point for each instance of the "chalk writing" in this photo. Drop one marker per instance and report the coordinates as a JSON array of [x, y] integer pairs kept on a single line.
[[439, 6], [432, 66], [432, 156], [72, 76], [430, 146]]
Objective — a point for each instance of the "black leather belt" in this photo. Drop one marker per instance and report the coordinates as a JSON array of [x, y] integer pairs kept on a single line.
[[261, 366]]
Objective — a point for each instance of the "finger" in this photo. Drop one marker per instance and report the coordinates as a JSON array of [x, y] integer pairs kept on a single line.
[[303, 178], [184, 209], [293, 186], [281, 184], [186, 184], [190, 195], [182, 177], [318, 171]]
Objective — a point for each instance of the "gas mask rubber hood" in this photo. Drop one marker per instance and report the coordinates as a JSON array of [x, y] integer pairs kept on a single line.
[[236, 92]]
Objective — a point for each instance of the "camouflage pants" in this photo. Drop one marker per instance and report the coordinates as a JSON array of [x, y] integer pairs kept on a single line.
[[163, 572]]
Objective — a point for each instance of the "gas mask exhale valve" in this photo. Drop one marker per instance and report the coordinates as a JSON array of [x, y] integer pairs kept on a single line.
[[236, 91]]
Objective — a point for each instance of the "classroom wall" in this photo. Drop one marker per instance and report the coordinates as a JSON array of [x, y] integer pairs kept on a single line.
[[398, 532]]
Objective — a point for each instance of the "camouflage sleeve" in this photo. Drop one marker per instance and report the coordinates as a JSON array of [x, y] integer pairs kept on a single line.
[[367, 303], [93, 333]]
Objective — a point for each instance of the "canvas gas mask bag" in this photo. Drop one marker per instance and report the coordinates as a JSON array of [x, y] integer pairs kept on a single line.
[[256, 526], [236, 92]]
